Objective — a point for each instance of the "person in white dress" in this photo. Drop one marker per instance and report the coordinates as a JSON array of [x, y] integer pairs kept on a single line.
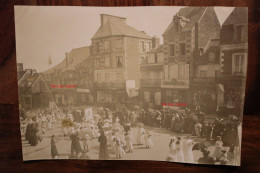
[[140, 135], [187, 149], [129, 142], [149, 143], [172, 155], [119, 150], [179, 150]]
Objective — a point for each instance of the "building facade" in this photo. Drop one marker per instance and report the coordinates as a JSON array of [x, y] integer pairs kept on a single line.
[[184, 39], [234, 56], [151, 77], [33, 90], [117, 50], [206, 87], [70, 81]]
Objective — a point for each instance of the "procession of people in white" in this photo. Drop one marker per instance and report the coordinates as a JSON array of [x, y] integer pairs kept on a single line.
[[117, 135]]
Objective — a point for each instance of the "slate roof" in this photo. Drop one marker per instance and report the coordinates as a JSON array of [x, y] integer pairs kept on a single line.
[[115, 27], [238, 15], [192, 14], [74, 57]]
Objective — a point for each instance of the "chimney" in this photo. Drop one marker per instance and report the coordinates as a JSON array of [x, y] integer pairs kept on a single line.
[[155, 41], [28, 71], [19, 67], [105, 17], [33, 71]]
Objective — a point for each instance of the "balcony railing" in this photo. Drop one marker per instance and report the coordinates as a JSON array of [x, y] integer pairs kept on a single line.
[[110, 85], [150, 82], [175, 84]]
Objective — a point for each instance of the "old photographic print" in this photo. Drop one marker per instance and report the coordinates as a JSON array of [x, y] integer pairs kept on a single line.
[[132, 83]]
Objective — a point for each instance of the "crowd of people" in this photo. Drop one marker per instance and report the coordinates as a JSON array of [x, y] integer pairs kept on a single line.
[[113, 128]]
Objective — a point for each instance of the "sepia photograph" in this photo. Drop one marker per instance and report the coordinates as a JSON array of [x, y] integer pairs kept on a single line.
[[132, 83]]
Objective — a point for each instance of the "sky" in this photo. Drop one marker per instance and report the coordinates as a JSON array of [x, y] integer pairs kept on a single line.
[[43, 32]]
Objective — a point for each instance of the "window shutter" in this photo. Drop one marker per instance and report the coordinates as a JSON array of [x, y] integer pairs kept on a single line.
[[174, 71], [187, 72], [166, 71]]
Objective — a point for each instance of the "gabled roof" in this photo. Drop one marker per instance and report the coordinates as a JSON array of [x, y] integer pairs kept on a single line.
[[20, 74], [118, 28], [74, 57], [191, 14], [238, 15], [29, 80]]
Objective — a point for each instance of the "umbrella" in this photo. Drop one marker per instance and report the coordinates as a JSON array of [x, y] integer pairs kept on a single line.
[[233, 117], [199, 146]]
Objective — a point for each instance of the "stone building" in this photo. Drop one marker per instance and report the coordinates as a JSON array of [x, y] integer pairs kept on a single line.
[[33, 90], [151, 76], [206, 87], [184, 39], [117, 50], [234, 57], [76, 72]]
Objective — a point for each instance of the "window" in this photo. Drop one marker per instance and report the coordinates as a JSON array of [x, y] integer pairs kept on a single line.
[[217, 73], [151, 59], [142, 47], [119, 60], [146, 96], [172, 50], [211, 57], [107, 61], [107, 77], [182, 49], [107, 45], [96, 47], [119, 76], [99, 77], [159, 57], [97, 62], [203, 73], [141, 60], [118, 44], [148, 46], [181, 72], [238, 64], [240, 33]]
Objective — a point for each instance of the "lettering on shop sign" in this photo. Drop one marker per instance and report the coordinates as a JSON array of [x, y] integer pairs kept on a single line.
[[174, 104], [63, 86]]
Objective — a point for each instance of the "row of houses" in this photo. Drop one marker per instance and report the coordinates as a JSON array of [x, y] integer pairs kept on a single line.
[[200, 62], [203, 63]]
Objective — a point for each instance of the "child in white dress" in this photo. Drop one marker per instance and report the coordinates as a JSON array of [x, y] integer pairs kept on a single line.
[[119, 150]]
